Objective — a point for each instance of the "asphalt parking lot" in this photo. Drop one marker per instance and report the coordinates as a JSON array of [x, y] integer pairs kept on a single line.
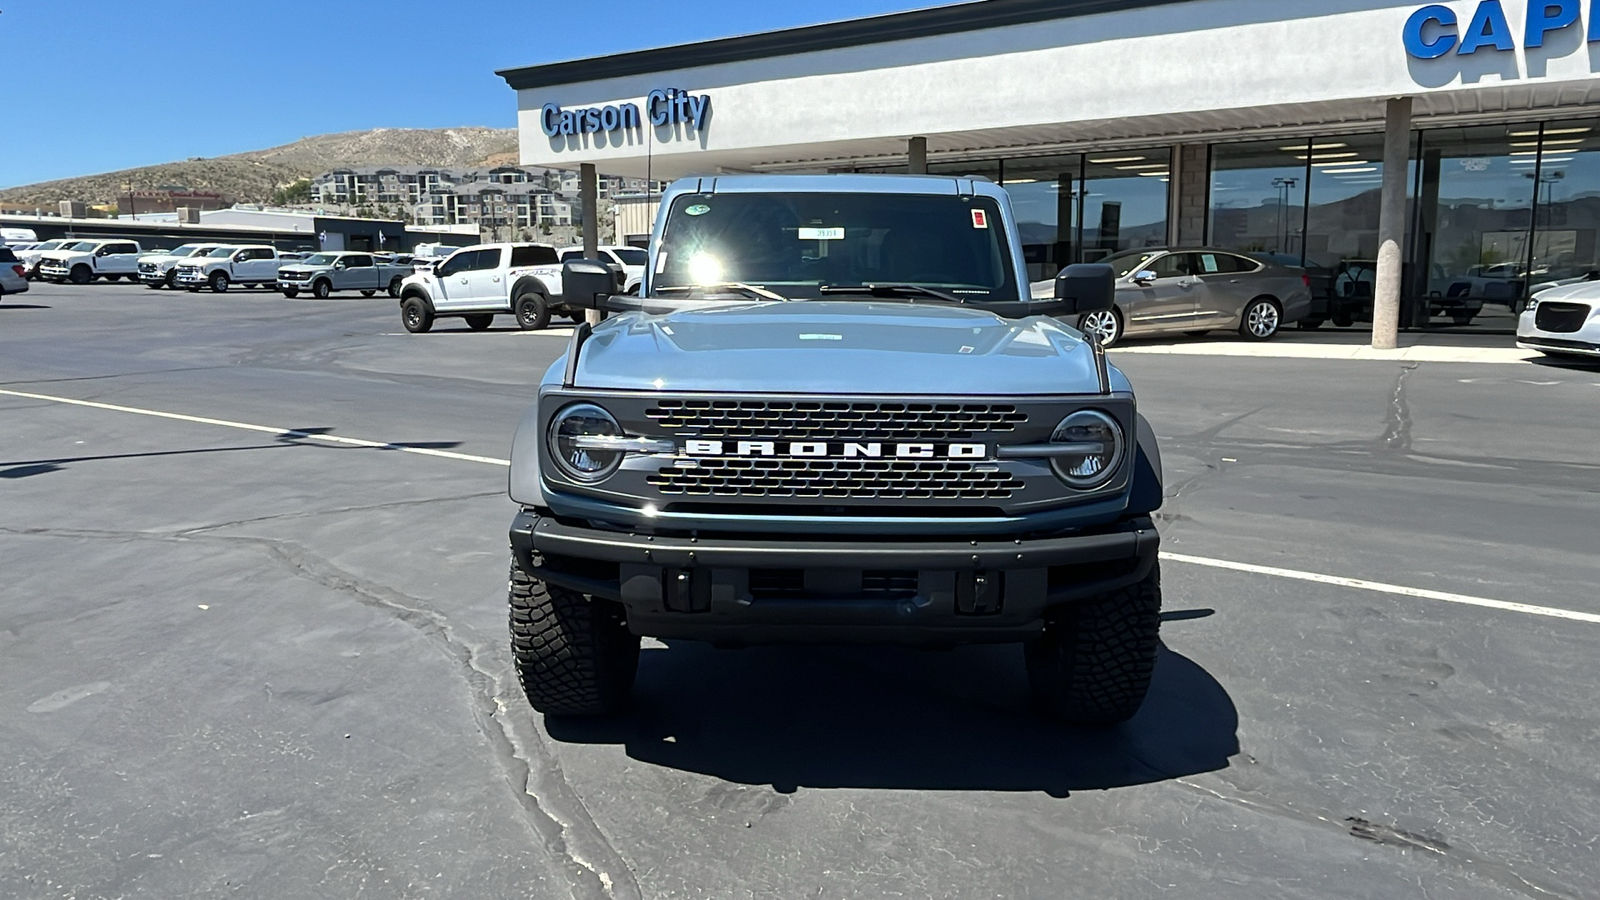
[[270, 663]]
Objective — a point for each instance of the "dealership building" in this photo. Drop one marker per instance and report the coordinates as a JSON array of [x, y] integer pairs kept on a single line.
[[1404, 151]]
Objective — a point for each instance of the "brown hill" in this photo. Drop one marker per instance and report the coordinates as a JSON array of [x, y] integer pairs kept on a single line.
[[253, 176]]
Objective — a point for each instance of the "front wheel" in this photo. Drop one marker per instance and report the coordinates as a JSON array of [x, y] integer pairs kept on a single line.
[[153, 285], [291, 293], [1094, 663], [321, 290], [219, 282], [394, 286], [80, 275], [414, 314], [368, 293], [480, 322], [574, 654], [172, 279], [533, 311], [1105, 324], [1260, 320]]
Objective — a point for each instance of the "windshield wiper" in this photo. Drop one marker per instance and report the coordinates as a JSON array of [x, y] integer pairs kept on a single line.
[[750, 289], [883, 289]]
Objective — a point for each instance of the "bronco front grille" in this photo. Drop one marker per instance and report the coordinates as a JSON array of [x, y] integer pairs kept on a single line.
[[1560, 318], [822, 420], [841, 479]]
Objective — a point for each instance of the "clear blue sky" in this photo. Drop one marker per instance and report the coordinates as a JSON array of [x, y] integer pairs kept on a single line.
[[96, 85]]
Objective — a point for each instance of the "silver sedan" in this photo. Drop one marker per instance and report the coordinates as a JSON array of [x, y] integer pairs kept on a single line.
[[1196, 290]]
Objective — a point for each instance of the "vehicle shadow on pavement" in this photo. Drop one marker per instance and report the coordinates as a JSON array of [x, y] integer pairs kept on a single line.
[[23, 306], [888, 717]]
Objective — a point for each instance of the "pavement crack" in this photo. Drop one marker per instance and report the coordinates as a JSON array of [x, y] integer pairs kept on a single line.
[[553, 810], [1397, 434]]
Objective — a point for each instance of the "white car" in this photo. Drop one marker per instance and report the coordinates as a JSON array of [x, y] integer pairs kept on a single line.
[[478, 283], [31, 256], [13, 279], [1562, 321], [247, 266], [630, 260], [88, 260], [160, 269]]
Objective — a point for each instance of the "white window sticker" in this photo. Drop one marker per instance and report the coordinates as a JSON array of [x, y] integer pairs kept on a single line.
[[821, 234], [661, 261]]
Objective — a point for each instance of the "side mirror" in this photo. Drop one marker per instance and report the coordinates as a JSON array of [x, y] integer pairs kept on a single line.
[[586, 283], [1144, 277], [1085, 288], [338, 264]]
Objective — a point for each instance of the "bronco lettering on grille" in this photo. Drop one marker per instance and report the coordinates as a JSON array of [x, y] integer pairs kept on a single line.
[[834, 450]]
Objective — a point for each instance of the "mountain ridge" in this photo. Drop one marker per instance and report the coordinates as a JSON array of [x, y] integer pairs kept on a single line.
[[253, 176]]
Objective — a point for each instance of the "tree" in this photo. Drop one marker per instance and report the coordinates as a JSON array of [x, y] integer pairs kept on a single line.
[[298, 191]]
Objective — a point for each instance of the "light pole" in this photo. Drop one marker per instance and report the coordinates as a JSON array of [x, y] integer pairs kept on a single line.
[[1284, 185]]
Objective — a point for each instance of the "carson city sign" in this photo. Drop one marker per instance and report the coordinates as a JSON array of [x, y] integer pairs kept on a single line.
[[1435, 31], [663, 106]]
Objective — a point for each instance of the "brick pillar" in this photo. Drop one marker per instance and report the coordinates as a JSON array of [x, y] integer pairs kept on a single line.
[[1191, 185]]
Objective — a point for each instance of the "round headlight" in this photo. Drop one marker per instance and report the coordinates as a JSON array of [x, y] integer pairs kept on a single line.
[[582, 460], [1092, 442]]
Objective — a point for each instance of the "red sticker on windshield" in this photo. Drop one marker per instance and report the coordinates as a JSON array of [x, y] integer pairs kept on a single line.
[[980, 219]]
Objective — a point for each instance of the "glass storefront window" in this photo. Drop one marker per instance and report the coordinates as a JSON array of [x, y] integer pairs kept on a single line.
[[1125, 200], [980, 168], [1044, 194], [1341, 239], [1258, 193], [1475, 213], [1568, 217]]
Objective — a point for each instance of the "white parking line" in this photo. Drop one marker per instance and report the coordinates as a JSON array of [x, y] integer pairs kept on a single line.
[[1382, 588], [264, 429], [1273, 571]]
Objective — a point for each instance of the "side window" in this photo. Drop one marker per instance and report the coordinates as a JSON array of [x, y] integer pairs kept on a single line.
[[1237, 264], [533, 256], [486, 259], [570, 255], [1174, 265], [457, 263], [358, 261], [1208, 264]]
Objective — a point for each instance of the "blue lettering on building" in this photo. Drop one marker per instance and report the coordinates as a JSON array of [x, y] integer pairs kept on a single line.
[[1434, 30], [669, 106]]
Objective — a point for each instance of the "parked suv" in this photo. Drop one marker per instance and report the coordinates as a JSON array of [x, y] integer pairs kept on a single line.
[[85, 261], [160, 269], [478, 283], [321, 274], [13, 276], [835, 415], [225, 266]]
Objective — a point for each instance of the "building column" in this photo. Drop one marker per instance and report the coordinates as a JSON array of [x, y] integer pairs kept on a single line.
[[917, 156], [1190, 184], [1392, 225], [589, 196]]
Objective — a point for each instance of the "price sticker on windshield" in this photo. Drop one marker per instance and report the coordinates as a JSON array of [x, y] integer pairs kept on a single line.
[[822, 234], [980, 219]]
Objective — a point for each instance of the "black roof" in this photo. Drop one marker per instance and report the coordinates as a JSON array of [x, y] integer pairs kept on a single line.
[[953, 19]]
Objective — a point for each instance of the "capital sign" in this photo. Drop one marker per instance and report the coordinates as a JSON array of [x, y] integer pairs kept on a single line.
[[1435, 31]]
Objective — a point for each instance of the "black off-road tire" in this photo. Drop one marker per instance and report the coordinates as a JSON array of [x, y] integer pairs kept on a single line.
[[479, 322], [574, 654], [322, 289], [533, 311], [1093, 664], [415, 316]]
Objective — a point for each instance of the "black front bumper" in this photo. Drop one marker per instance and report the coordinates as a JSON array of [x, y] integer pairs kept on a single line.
[[735, 589]]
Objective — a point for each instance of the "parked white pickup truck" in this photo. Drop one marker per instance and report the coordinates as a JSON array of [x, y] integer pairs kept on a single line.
[[87, 260], [631, 260], [247, 266], [478, 283], [161, 269]]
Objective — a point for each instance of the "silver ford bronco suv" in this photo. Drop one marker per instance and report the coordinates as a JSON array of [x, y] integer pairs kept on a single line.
[[834, 415]]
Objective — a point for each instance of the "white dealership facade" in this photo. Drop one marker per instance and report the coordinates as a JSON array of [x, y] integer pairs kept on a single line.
[[1258, 125]]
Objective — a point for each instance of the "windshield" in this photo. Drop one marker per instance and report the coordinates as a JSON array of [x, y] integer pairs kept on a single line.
[[53, 245], [800, 243], [631, 256], [220, 252], [1130, 261], [321, 259], [81, 245], [184, 250]]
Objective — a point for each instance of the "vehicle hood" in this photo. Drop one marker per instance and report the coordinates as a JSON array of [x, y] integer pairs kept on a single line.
[[63, 256], [1583, 292], [159, 258], [837, 347]]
